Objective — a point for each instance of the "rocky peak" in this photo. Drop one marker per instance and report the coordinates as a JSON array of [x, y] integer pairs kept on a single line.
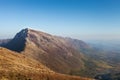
[[18, 42], [22, 34]]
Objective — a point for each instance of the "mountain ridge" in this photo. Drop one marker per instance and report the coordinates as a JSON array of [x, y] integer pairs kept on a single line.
[[50, 50], [62, 55]]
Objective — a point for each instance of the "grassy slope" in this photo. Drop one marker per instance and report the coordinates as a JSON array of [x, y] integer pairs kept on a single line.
[[14, 66]]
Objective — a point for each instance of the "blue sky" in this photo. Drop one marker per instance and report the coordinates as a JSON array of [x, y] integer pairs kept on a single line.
[[82, 19]]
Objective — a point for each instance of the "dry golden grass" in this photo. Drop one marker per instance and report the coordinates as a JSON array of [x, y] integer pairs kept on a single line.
[[35, 76], [15, 66], [12, 61]]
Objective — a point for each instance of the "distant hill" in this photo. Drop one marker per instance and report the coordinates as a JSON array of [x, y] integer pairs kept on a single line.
[[4, 41], [106, 45]]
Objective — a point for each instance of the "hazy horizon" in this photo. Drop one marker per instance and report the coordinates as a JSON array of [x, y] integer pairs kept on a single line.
[[80, 19]]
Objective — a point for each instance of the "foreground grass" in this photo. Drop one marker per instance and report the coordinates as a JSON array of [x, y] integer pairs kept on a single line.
[[32, 76]]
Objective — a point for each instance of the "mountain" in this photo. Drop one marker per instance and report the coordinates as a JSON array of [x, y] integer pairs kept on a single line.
[[62, 55], [15, 66], [50, 50]]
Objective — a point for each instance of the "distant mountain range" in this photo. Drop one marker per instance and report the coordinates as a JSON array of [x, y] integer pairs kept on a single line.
[[58, 54]]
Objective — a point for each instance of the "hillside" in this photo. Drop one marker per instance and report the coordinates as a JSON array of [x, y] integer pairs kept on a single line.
[[12, 61], [15, 66]]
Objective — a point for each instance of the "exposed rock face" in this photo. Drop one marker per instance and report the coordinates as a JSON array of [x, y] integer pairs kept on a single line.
[[18, 42]]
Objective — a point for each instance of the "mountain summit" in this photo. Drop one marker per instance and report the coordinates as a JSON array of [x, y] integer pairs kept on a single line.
[[18, 42]]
